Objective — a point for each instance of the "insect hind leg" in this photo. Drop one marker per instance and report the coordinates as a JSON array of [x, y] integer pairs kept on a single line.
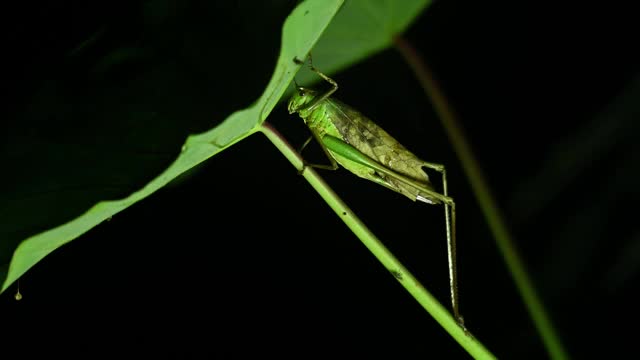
[[450, 220]]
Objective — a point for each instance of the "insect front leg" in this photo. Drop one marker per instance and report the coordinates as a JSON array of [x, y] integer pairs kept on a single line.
[[334, 84], [326, 95], [305, 144]]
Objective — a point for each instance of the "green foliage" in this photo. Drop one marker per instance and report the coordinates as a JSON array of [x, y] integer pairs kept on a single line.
[[47, 210], [300, 32]]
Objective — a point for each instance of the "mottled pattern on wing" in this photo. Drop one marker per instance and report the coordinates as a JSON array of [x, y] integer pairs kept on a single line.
[[373, 141]]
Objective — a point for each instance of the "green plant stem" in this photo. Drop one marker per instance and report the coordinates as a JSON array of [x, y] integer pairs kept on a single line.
[[410, 283], [485, 199]]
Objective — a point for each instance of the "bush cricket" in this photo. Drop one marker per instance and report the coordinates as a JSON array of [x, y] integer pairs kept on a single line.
[[359, 145]]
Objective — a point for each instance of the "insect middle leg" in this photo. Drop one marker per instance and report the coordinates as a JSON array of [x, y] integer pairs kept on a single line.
[[334, 164]]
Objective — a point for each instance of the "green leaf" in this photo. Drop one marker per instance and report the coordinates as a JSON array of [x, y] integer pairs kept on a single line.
[[300, 32], [361, 29]]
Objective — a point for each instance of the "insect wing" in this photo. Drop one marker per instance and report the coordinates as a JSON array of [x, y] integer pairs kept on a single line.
[[372, 140]]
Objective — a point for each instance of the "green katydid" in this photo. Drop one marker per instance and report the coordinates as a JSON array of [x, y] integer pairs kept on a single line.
[[350, 139]]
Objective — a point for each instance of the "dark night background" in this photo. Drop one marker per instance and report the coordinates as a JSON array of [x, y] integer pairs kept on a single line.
[[242, 257]]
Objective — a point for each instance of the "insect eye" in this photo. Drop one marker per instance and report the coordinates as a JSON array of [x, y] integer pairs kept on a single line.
[[301, 91]]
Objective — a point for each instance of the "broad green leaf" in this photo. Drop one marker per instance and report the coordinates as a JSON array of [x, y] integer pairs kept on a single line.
[[300, 32], [361, 29]]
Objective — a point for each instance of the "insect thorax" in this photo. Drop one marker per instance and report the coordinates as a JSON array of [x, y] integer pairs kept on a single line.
[[317, 119]]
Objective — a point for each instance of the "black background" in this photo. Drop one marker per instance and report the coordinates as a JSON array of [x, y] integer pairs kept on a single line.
[[243, 258]]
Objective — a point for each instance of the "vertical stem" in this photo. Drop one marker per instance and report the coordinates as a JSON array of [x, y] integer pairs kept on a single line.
[[485, 199]]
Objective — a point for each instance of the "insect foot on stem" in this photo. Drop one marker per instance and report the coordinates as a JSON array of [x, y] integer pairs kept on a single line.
[[460, 321], [301, 171]]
